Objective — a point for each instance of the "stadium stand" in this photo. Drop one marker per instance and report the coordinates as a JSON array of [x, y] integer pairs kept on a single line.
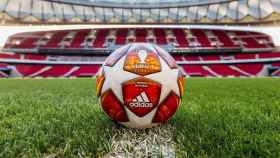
[[200, 52], [183, 38], [206, 52], [44, 70]]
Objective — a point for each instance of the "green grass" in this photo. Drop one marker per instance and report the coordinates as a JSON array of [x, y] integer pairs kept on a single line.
[[41, 117], [218, 118], [229, 118]]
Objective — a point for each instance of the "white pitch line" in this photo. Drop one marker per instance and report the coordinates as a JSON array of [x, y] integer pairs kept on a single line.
[[154, 142]]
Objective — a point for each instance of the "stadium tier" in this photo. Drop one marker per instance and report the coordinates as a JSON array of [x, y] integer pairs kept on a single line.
[[199, 52], [106, 38]]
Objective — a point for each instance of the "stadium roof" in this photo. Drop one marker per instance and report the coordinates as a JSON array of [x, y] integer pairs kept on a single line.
[[139, 4], [159, 11]]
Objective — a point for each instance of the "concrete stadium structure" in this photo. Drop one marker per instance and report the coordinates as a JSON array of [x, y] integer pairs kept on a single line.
[[131, 12]]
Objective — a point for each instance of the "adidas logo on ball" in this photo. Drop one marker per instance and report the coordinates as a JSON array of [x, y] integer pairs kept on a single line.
[[141, 101]]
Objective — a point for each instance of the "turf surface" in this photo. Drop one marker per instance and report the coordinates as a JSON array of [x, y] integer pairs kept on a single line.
[[218, 118]]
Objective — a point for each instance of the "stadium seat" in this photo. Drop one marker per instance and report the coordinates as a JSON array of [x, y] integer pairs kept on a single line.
[[35, 57], [191, 58], [201, 37], [245, 56], [223, 37], [180, 37], [29, 70], [160, 36], [276, 64], [78, 39], [2, 65], [224, 70], [9, 56], [253, 69], [100, 38], [56, 39], [178, 57], [57, 71], [86, 71], [121, 36], [210, 57], [29, 40], [196, 70], [140, 35], [269, 55]]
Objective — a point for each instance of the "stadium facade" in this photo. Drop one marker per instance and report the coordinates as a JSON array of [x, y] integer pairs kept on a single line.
[[200, 51], [140, 12]]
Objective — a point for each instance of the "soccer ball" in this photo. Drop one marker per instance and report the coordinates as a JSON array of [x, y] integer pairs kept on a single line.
[[140, 85]]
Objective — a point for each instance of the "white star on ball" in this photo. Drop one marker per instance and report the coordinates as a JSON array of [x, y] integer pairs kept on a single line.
[[114, 78], [167, 78]]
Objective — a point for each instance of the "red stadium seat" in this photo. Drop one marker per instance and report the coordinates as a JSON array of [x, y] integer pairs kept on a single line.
[[201, 37], [178, 57], [9, 56], [57, 71], [252, 69], [224, 70], [78, 39], [56, 39], [276, 64], [35, 57], [141, 35], [100, 38], [196, 70], [121, 36], [3, 65], [192, 58], [210, 57], [180, 37], [160, 36], [86, 70], [245, 56], [224, 38], [269, 55], [29, 70], [29, 40]]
